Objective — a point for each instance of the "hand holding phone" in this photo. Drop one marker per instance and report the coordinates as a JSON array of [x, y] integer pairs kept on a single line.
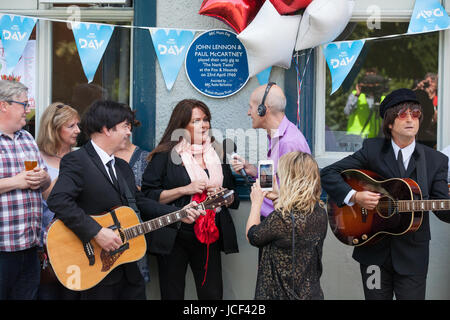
[[265, 174]]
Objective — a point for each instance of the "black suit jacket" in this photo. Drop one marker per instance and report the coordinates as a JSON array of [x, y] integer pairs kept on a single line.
[[428, 167], [84, 188], [163, 174]]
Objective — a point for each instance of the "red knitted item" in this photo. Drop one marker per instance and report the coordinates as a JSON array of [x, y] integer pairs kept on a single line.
[[205, 228]]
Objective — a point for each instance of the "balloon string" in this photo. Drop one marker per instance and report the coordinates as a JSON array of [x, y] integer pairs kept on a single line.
[[300, 80]]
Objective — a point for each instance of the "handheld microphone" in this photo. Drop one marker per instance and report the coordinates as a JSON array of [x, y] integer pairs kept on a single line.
[[230, 148]]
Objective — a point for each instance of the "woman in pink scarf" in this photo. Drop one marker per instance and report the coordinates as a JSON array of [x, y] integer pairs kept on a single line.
[[185, 167]]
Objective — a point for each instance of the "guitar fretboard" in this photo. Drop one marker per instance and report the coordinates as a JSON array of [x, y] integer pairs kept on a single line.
[[423, 205], [156, 223]]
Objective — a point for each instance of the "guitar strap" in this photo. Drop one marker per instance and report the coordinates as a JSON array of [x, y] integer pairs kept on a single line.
[[128, 195], [130, 198], [422, 172]]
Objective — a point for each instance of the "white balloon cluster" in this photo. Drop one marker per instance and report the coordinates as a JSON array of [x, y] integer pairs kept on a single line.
[[271, 38]]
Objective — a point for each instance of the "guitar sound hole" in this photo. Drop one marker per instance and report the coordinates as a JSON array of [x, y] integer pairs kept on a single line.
[[387, 207]]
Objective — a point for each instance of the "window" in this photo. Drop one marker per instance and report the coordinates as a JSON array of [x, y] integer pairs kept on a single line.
[[351, 113], [111, 81]]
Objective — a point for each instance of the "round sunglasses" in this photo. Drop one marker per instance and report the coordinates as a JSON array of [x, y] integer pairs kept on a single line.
[[415, 114]]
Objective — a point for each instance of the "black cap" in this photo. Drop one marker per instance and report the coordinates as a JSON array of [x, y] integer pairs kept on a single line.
[[396, 97]]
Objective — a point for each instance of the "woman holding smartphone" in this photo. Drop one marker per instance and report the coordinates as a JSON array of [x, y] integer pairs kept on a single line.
[[292, 236]]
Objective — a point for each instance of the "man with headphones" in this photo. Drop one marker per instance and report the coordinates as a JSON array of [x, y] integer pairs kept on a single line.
[[267, 111]]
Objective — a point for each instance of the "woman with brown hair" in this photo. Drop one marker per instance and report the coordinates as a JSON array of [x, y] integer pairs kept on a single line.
[[185, 167], [292, 236]]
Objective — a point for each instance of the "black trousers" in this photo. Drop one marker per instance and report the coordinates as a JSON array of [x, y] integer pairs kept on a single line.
[[383, 282], [172, 269]]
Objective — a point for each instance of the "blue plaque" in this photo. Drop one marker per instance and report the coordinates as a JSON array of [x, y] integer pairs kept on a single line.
[[216, 63]]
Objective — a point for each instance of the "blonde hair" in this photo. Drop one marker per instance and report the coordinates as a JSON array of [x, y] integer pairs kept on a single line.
[[52, 120], [300, 187]]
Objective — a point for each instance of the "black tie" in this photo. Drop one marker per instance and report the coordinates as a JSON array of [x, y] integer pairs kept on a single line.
[[401, 165], [111, 173]]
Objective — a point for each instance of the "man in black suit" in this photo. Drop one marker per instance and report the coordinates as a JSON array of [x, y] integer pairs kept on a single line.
[[92, 181], [402, 260]]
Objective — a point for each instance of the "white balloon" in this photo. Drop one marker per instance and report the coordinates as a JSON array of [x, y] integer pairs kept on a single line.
[[269, 39], [323, 21]]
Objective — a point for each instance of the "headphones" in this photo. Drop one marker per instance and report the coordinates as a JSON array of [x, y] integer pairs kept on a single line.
[[262, 108]]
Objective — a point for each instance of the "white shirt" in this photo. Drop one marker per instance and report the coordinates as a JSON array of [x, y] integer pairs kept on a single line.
[[406, 153], [105, 158]]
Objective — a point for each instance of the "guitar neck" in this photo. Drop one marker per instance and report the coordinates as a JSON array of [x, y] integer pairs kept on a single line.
[[157, 223], [423, 205]]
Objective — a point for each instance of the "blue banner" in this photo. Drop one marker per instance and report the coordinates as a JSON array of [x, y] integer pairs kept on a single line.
[[15, 32], [171, 46], [92, 40], [428, 15], [263, 76], [341, 56]]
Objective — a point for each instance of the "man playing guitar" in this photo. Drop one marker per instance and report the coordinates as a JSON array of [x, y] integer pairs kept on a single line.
[[92, 181], [403, 259]]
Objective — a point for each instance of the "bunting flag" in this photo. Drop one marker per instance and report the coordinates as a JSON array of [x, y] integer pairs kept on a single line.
[[92, 40], [15, 32], [341, 56], [428, 15], [263, 76], [171, 46]]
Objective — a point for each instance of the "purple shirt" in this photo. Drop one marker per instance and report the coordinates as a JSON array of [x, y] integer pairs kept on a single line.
[[287, 139]]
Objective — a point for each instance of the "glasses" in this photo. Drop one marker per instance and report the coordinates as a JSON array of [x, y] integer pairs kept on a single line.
[[415, 114], [25, 104]]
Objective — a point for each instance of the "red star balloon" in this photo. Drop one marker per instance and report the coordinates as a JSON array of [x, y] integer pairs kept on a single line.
[[289, 6], [236, 13]]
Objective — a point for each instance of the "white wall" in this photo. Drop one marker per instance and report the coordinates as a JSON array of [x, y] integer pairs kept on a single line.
[[227, 113]]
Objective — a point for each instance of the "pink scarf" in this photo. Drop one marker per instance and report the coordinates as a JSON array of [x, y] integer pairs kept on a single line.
[[210, 157]]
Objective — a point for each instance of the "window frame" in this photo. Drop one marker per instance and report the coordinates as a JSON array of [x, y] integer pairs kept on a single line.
[[44, 34], [402, 13]]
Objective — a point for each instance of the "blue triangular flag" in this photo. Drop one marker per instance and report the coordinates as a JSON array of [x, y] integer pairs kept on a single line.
[[263, 76], [92, 40], [171, 46], [15, 32], [428, 15], [341, 56]]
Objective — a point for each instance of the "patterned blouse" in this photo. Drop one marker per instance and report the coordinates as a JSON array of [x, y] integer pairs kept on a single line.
[[278, 278], [138, 163]]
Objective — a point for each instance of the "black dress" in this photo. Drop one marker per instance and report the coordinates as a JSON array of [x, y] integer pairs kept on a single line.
[[277, 278], [176, 245]]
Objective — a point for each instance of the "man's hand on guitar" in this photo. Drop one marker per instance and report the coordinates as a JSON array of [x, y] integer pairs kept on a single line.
[[366, 199], [108, 239]]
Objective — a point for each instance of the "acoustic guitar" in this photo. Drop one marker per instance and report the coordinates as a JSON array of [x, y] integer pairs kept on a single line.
[[399, 210], [80, 266]]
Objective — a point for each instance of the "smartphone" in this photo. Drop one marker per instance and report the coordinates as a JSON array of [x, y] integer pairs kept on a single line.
[[265, 174]]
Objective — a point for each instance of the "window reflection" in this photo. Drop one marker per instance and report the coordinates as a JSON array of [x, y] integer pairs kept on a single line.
[[352, 112], [111, 81]]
